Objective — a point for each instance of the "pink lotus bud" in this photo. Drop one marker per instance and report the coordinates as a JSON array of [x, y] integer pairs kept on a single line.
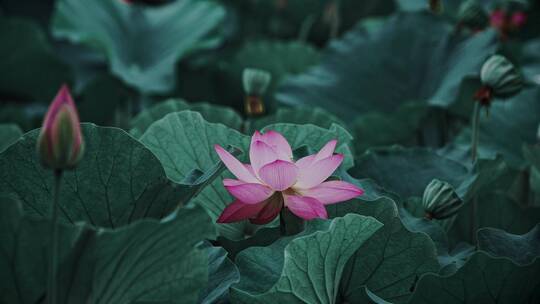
[[518, 19], [60, 144], [497, 18]]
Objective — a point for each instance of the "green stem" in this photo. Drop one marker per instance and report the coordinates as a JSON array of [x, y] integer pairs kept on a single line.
[[475, 132], [53, 257], [474, 157], [474, 217], [334, 27], [290, 224]]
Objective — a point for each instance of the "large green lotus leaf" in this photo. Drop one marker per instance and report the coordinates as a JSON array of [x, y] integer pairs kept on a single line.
[[402, 127], [483, 175], [391, 261], [142, 44], [9, 133], [261, 238], [503, 201], [412, 57], [429, 227], [407, 171], [532, 154], [305, 19], [530, 61], [450, 259], [300, 115], [31, 69], [483, 279], [222, 273], [366, 296], [117, 181], [497, 209], [522, 249], [210, 112], [509, 125], [449, 7], [184, 141], [372, 191], [305, 269], [146, 261], [24, 244]]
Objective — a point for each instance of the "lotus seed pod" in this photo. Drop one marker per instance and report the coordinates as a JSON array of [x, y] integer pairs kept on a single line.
[[472, 15], [60, 144], [501, 77], [440, 200], [255, 84], [255, 81]]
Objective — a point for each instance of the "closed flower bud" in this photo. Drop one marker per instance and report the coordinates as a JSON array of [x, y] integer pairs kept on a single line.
[[60, 144], [472, 15], [440, 201], [255, 84], [255, 81], [500, 78]]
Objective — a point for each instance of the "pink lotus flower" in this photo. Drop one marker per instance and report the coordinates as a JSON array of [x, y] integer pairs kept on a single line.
[[60, 144], [274, 180]]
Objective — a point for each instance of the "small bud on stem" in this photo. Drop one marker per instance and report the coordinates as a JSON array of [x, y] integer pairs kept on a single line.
[[501, 79], [60, 146], [255, 83]]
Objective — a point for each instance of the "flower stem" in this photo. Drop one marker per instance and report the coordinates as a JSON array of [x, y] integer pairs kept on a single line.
[[53, 257], [336, 21], [474, 217], [474, 157], [475, 132], [305, 27], [290, 224]]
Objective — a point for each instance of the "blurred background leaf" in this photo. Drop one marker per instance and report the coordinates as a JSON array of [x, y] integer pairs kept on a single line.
[[166, 34]]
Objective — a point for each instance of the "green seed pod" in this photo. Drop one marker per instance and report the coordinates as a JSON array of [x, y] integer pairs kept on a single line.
[[440, 201], [472, 15], [501, 76], [256, 81]]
